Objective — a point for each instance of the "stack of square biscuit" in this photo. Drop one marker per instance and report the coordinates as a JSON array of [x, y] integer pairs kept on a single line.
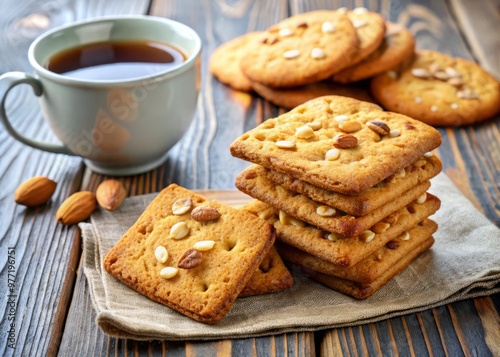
[[345, 185]]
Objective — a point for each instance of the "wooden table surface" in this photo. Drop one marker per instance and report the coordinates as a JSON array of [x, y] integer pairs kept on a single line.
[[54, 314]]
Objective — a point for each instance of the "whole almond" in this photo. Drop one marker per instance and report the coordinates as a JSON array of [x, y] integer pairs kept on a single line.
[[76, 208], [205, 214], [35, 191], [110, 194], [345, 141]]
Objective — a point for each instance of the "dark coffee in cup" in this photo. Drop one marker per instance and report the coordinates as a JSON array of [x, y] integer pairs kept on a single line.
[[115, 60]]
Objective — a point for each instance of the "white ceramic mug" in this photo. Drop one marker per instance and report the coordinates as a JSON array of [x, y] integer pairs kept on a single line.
[[119, 127]]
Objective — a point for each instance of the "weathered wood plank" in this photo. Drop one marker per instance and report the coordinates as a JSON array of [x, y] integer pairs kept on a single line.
[[470, 157], [46, 253], [479, 26]]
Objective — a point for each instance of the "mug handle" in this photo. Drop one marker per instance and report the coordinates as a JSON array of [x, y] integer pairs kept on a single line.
[[10, 80]]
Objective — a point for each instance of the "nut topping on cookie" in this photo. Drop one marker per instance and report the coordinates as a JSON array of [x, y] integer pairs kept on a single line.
[[378, 127], [161, 254], [394, 133], [205, 214], [359, 23], [454, 106], [285, 144], [422, 198], [367, 236], [340, 118], [204, 245], [315, 125], [328, 27], [345, 141], [179, 230], [332, 154], [190, 259], [291, 54], [452, 72], [420, 73], [181, 206], [392, 244], [168, 272], [404, 236], [318, 53], [304, 132], [350, 126], [285, 32], [456, 82], [326, 211], [467, 93]]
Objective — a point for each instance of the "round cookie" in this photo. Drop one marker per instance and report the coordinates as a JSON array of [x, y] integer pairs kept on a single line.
[[439, 90], [225, 62], [302, 49], [370, 28], [292, 97], [397, 46]]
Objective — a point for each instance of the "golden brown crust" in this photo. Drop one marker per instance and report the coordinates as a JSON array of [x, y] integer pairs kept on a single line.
[[363, 291], [207, 291], [305, 209], [374, 197], [437, 101], [373, 159], [373, 266], [349, 251], [267, 62]]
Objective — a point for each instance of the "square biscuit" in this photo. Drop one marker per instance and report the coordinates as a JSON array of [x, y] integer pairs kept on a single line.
[[348, 251], [365, 290], [207, 281], [373, 266], [317, 214], [271, 276], [337, 143], [367, 201]]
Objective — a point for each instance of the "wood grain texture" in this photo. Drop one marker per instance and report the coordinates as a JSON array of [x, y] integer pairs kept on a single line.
[[479, 26], [46, 253]]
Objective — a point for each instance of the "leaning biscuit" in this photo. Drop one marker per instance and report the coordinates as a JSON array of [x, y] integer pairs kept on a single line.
[[192, 255], [348, 251], [373, 266], [271, 276], [361, 290], [318, 214], [439, 90], [359, 205], [337, 143], [225, 62]]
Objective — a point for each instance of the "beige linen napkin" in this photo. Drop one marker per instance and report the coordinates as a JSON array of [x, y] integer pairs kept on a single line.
[[463, 263]]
